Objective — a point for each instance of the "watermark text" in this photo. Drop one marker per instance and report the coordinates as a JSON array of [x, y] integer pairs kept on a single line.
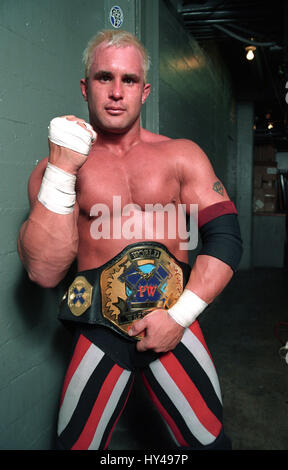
[[155, 222]]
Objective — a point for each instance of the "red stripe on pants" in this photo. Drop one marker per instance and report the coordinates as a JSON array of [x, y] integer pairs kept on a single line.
[[116, 421], [196, 330], [90, 427], [168, 419], [191, 393], [81, 348]]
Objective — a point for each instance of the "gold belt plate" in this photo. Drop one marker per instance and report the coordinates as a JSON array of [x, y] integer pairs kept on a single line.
[[79, 296], [144, 279]]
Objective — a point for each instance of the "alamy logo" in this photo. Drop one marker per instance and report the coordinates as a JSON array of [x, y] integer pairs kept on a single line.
[[156, 222]]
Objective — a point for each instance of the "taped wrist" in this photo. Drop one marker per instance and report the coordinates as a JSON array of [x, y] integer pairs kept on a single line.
[[57, 192], [187, 308], [220, 233]]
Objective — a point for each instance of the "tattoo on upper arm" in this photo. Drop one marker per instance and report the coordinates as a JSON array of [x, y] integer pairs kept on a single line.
[[218, 187]]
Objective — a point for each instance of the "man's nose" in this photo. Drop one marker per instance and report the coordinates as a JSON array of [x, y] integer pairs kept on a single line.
[[116, 90]]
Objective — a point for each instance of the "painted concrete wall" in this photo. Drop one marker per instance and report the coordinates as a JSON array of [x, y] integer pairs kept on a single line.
[[245, 118], [41, 44], [195, 96]]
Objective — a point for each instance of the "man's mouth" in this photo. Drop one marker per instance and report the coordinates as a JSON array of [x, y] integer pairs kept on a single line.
[[114, 110]]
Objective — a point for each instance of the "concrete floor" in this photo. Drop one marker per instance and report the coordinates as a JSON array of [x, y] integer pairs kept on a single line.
[[239, 330]]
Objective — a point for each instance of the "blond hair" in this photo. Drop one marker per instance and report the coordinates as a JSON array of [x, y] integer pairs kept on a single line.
[[118, 38]]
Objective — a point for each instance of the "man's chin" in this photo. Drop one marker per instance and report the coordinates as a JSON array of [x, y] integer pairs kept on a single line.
[[114, 128]]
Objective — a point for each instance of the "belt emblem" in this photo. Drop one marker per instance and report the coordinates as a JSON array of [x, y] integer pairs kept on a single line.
[[144, 279], [79, 296]]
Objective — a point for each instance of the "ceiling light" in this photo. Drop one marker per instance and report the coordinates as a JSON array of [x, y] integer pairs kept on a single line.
[[250, 52]]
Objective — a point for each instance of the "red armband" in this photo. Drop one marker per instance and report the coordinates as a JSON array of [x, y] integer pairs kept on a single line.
[[215, 210]]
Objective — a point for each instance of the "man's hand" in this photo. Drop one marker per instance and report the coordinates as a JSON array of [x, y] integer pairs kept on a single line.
[[162, 333], [70, 139]]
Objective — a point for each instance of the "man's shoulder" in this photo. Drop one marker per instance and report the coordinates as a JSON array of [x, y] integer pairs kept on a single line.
[[182, 144], [152, 138]]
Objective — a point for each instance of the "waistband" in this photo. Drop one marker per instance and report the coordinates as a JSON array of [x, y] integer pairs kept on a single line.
[[142, 277]]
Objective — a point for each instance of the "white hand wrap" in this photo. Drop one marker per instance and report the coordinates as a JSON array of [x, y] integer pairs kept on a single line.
[[57, 192], [69, 134], [187, 308]]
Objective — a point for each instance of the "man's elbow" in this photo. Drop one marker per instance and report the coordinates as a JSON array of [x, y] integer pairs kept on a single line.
[[41, 271], [43, 280]]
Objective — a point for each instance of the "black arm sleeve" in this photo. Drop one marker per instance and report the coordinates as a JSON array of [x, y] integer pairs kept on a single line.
[[221, 238]]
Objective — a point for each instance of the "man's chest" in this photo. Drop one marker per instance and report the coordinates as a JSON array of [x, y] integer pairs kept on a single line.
[[141, 180]]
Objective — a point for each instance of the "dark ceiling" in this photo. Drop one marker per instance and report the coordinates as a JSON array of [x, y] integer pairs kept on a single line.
[[233, 25]]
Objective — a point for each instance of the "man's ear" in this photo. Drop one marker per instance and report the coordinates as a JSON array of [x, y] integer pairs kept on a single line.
[[84, 88], [145, 92]]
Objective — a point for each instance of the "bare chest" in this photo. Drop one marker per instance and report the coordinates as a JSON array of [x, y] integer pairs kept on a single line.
[[140, 178]]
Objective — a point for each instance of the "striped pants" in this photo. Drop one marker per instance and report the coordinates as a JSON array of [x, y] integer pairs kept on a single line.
[[182, 384]]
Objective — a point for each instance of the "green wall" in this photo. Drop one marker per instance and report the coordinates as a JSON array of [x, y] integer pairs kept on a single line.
[[41, 44], [195, 96]]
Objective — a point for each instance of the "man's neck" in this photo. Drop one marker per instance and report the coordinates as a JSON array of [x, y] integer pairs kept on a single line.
[[119, 143]]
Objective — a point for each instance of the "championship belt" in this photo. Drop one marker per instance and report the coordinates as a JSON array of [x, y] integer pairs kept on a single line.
[[142, 278]]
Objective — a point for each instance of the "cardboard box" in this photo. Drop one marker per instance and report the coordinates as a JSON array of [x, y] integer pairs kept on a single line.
[[258, 200], [265, 174], [264, 153], [264, 201], [270, 206], [269, 183]]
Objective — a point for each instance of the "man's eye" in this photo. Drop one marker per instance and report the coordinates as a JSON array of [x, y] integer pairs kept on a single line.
[[129, 80], [105, 78]]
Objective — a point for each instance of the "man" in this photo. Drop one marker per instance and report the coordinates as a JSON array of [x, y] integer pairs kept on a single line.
[[134, 303]]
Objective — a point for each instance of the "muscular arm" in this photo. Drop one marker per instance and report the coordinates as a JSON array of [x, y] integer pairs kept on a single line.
[[210, 274], [200, 185], [47, 242]]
